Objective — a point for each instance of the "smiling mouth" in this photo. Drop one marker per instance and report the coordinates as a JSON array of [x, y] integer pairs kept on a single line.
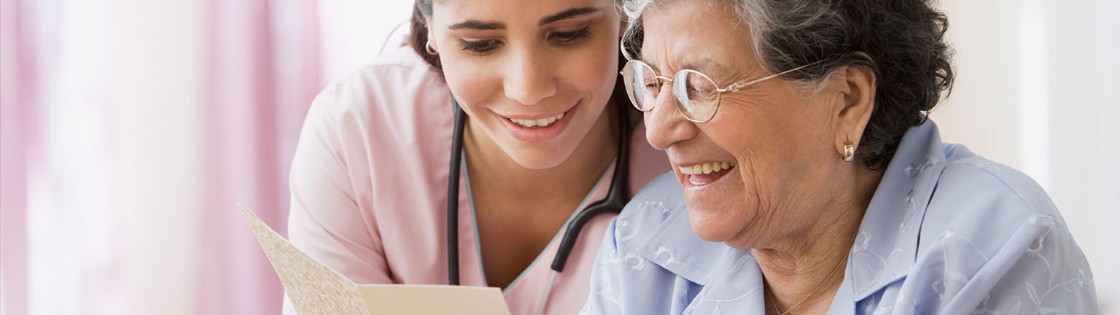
[[538, 128], [704, 174], [706, 168], [536, 123]]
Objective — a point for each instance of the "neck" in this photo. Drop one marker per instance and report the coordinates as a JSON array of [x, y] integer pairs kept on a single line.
[[806, 280], [805, 273], [495, 173]]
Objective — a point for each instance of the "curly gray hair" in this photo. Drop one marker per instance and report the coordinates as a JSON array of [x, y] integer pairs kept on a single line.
[[903, 41]]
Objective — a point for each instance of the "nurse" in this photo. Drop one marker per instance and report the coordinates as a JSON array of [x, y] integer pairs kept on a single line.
[[537, 82]]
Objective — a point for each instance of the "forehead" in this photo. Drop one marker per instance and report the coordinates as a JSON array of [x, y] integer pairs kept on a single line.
[[507, 11], [693, 34]]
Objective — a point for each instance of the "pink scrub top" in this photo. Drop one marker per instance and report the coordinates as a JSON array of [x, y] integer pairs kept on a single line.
[[369, 189]]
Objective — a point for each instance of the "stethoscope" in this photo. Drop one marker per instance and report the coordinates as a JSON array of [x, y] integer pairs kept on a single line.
[[615, 201]]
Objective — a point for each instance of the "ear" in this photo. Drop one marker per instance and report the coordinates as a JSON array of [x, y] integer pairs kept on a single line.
[[856, 101]]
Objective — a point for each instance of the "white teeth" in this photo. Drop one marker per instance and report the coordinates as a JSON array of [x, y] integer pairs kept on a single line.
[[543, 122], [705, 168]]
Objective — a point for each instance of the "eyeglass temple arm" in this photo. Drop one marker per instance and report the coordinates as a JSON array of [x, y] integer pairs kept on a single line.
[[740, 85]]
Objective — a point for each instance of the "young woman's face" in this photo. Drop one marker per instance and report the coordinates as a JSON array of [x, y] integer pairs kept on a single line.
[[534, 76]]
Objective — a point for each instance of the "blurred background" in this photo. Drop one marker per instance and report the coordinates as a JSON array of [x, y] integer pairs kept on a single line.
[[130, 130]]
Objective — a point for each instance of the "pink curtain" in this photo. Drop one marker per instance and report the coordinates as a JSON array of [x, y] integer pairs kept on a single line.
[[264, 74], [18, 99], [264, 70]]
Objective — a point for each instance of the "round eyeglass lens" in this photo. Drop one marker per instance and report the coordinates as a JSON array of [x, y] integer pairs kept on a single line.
[[697, 95], [641, 84]]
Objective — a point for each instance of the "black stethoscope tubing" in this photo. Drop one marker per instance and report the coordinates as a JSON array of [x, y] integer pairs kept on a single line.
[[615, 201]]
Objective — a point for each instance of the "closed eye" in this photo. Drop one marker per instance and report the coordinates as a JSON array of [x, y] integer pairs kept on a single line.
[[570, 38], [480, 47]]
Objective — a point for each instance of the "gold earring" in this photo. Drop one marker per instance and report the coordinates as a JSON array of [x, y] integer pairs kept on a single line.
[[431, 50], [849, 151]]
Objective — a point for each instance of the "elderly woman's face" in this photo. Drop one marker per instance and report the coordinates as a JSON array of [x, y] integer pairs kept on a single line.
[[777, 139]]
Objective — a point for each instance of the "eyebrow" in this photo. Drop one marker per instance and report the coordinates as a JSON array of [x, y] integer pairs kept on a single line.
[[478, 25], [481, 25], [708, 66], [698, 62], [567, 14]]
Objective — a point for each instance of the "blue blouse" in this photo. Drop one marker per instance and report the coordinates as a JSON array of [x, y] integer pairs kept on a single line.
[[947, 232]]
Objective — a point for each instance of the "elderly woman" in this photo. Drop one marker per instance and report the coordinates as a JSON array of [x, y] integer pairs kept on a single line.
[[799, 140]]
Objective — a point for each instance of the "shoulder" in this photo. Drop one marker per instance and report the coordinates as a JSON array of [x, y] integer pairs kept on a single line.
[[395, 101], [985, 201], [396, 111], [994, 240], [972, 175], [394, 89]]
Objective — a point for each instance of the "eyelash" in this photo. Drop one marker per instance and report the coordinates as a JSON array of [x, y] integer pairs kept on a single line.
[[482, 47], [570, 38], [479, 47]]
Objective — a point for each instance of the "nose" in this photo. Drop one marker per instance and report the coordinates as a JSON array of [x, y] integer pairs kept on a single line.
[[665, 125], [530, 77]]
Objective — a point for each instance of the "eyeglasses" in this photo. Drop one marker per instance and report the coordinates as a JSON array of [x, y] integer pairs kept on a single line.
[[697, 95]]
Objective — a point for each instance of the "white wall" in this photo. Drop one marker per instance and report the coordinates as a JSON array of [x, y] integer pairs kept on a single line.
[[355, 30], [1034, 90]]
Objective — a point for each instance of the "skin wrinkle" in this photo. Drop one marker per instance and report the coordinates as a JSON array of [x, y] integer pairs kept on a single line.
[[789, 197], [791, 200], [807, 203], [786, 263]]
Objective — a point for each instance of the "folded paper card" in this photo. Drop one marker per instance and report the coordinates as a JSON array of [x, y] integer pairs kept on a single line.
[[315, 288]]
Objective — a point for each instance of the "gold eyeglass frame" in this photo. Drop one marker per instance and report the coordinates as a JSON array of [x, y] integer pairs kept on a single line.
[[733, 87]]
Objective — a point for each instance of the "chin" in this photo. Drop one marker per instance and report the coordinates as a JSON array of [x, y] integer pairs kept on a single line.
[[718, 220], [539, 159], [538, 164], [709, 226]]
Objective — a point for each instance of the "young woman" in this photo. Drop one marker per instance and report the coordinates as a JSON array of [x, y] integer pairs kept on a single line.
[[542, 131]]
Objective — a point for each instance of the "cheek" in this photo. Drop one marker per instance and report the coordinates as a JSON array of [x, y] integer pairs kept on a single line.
[[591, 67], [735, 132], [764, 136], [472, 82], [767, 159], [590, 73]]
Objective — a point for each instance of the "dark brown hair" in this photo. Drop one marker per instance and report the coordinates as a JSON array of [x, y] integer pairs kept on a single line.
[[418, 39], [905, 40]]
